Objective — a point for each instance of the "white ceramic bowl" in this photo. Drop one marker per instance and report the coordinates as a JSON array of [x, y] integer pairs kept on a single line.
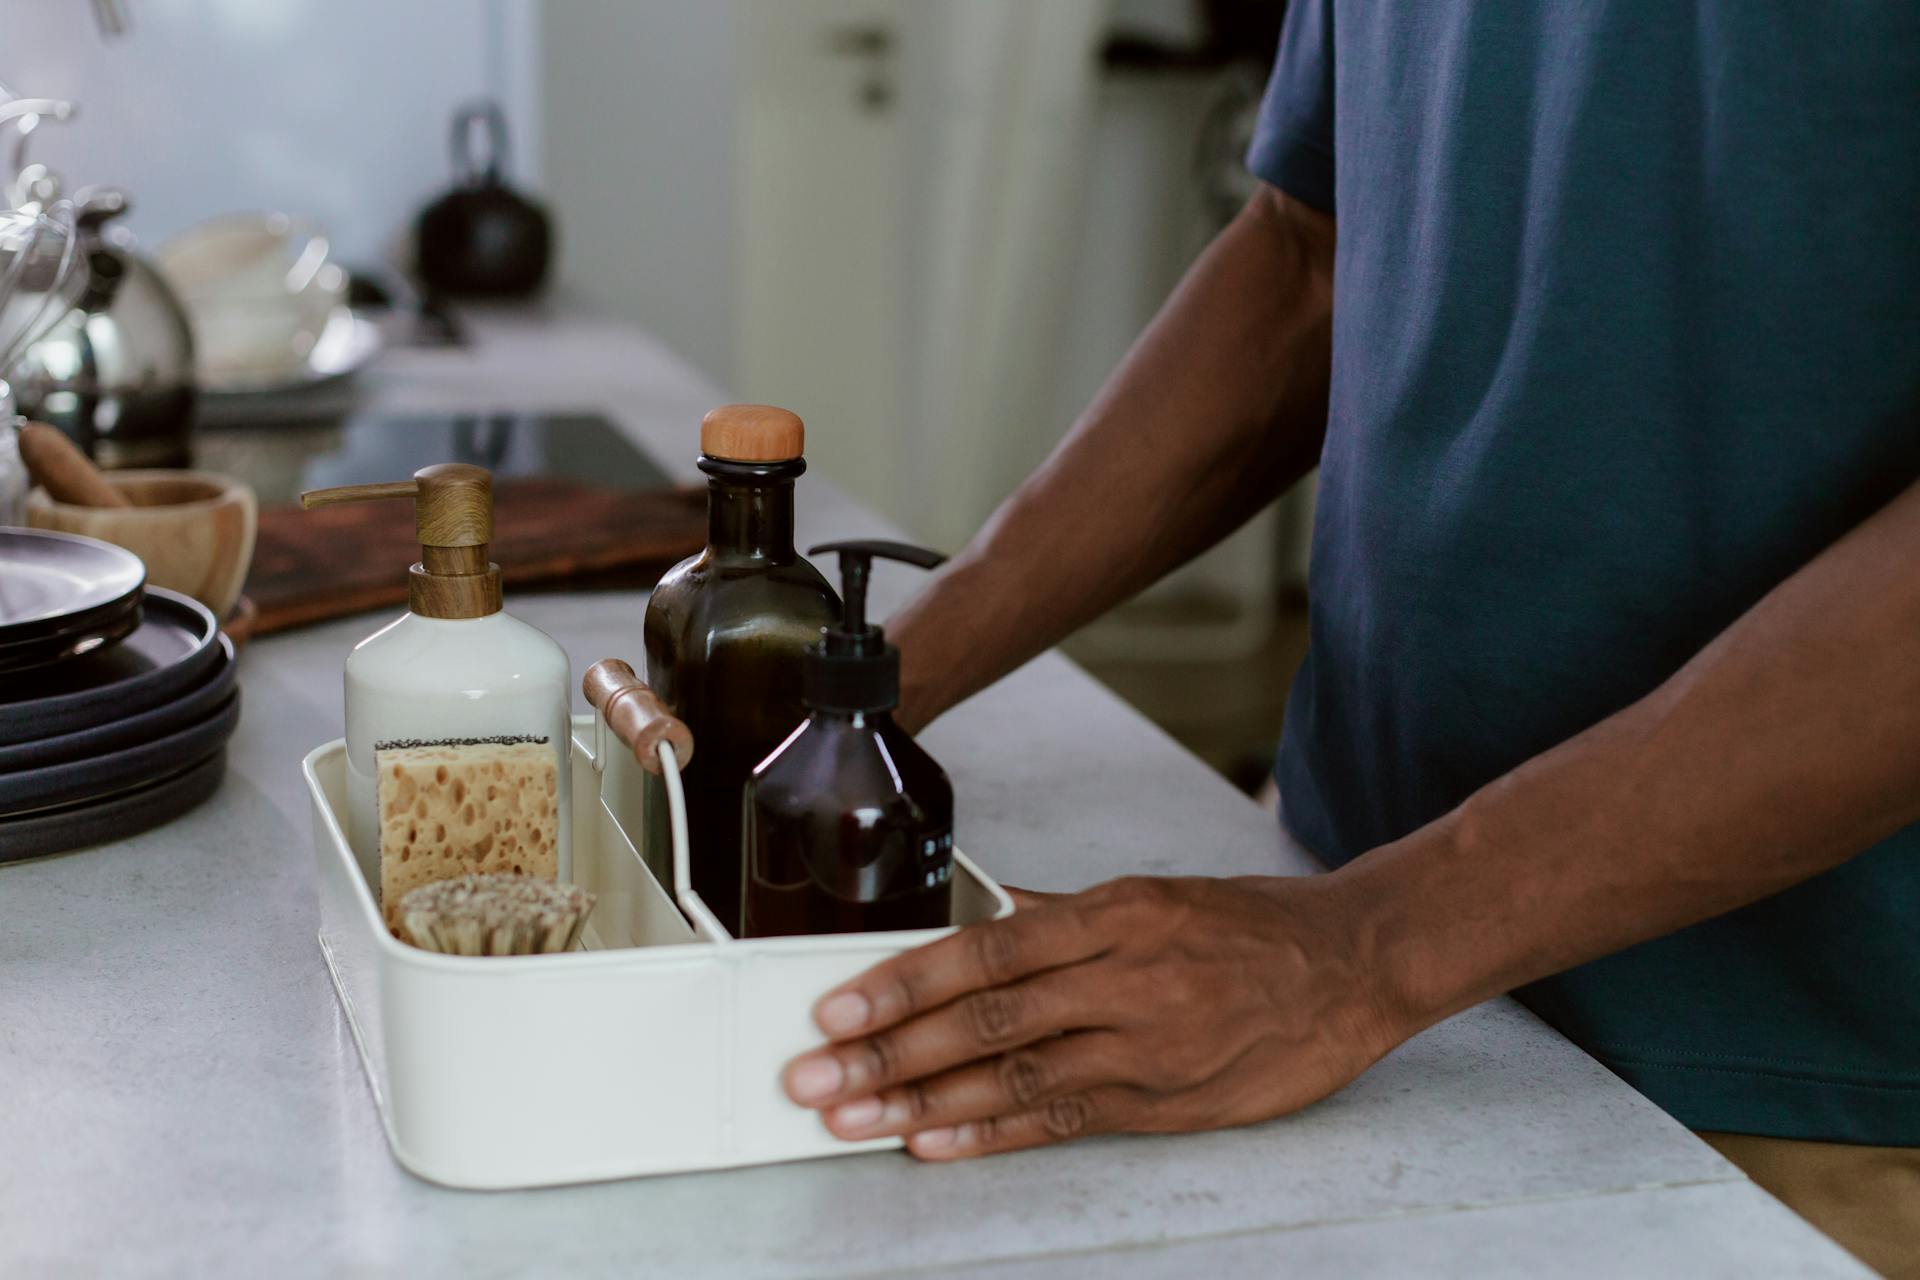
[[258, 288]]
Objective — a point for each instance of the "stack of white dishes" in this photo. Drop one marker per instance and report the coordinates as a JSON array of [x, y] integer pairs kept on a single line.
[[267, 304]]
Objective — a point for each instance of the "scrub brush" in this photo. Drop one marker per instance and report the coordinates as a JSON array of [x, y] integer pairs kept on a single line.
[[494, 915]]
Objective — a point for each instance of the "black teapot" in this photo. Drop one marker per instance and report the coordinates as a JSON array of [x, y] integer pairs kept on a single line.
[[483, 239]]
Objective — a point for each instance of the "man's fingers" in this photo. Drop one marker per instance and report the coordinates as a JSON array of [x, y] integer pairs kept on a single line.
[[976, 1025], [992, 954], [1007, 1084], [1072, 1115], [1028, 899]]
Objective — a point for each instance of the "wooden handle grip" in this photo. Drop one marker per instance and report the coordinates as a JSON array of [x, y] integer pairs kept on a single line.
[[67, 474], [635, 714]]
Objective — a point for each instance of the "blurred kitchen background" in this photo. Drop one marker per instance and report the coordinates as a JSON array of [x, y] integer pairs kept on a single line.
[[929, 226]]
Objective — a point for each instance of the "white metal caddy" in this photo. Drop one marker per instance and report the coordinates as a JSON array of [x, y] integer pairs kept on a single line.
[[655, 1048]]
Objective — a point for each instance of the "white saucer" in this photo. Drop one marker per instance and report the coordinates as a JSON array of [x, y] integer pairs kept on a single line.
[[346, 345]]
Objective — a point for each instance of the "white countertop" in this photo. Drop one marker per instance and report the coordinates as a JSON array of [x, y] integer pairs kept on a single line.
[[179, 1095]]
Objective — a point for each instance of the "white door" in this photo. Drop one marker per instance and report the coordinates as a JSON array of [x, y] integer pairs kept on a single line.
[[822, 279]]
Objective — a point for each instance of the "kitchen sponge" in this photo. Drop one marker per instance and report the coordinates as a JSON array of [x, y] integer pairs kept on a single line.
[[464, 806]]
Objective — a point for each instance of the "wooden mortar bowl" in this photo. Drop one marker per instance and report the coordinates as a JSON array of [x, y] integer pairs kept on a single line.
[[194, 529]]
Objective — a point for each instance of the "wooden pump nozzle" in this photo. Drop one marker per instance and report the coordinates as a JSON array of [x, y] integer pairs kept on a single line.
[[453, 520]]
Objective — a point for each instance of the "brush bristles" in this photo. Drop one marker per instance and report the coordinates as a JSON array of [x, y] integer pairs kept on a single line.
[[495, 915]]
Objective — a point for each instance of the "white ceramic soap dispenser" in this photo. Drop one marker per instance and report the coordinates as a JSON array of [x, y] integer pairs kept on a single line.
[[455, 674]]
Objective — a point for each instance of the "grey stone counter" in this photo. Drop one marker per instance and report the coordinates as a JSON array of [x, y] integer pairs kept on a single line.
[[181, 1097]]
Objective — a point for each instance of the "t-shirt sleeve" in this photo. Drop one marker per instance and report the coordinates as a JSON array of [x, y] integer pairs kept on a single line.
[[1293, 140]]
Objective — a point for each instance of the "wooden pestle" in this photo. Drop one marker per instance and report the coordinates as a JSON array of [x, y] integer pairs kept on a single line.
[[67, 474], [635, 714]]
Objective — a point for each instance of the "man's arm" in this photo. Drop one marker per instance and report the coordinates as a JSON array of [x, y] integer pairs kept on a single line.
[[1217, 408], [1786, 746]]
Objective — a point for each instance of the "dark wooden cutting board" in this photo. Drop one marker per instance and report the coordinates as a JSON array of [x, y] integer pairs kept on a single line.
[[548, 533]]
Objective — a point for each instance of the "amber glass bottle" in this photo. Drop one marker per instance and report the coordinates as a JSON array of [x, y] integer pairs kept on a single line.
[[725, 633], [849, 821]]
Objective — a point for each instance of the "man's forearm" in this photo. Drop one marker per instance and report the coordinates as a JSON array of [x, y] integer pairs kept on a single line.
[[1789, 744], [1218, 407]]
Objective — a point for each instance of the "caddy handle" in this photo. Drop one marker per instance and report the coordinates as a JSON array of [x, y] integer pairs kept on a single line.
[[635, 714]]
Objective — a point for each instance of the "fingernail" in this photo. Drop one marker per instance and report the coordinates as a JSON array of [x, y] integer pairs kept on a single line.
[[863, 1114], [815, 1079], [845, 1012], [935, 1140]]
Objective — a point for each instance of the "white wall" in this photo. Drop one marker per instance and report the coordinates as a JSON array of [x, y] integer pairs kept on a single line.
[[641, 105], [335, 109]]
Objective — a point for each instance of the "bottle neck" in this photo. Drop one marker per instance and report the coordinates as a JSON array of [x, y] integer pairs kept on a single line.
[[750, 509], [870, 720], [750, 522], [454, 582]]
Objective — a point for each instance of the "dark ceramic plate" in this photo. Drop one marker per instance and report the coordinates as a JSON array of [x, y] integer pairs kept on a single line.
[[173, 649], [142, 726], [94, 630], [48, 580], [113, 818], [95, 777]]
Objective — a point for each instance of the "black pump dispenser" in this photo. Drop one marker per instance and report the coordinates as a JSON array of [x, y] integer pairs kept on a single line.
[[849, 823], [853, 668]]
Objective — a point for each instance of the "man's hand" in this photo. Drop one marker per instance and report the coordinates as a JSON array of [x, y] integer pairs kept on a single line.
[[1143, 1005]]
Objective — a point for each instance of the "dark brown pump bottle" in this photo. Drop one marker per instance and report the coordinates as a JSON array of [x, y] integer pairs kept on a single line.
[[850, 823], [725, 632]]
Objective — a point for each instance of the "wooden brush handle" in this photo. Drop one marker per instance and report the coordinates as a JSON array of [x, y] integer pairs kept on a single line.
[[635, 714], [67, 474]]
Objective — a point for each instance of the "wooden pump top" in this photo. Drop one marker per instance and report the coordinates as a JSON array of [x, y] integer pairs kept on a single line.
[[752, 433], [453, 519]]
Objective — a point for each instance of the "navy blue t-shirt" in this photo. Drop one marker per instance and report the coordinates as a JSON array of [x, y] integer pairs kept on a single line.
[[1626, 330]]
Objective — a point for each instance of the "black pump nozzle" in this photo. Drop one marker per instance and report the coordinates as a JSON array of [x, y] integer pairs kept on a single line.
[[853, 668]]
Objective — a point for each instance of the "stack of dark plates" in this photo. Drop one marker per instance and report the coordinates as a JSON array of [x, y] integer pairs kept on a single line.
[[116, 698]]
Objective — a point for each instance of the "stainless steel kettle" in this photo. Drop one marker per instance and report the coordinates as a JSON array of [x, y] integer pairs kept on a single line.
[[116, 373]]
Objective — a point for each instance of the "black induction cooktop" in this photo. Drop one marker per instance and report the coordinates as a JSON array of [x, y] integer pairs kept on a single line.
[[288, 455]]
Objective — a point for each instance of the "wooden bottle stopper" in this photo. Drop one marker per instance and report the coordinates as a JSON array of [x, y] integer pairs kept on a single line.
[[635, 714], [752, 433]]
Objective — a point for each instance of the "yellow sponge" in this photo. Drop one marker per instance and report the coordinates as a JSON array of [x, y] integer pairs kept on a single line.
[[463, 807]]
